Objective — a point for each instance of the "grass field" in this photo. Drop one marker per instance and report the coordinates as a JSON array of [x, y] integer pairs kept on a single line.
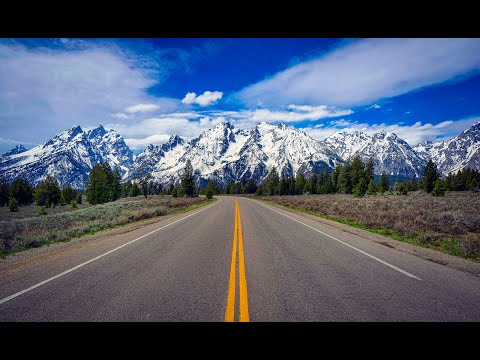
[[450, 224], [26, 228]]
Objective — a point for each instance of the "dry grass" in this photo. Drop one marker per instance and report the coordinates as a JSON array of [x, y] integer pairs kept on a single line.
[[450, 223], [26, 232]]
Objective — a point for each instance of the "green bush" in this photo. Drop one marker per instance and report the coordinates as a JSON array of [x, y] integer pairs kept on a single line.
[[438, 189], [402, 189], [13, 204], [209, 193], [74, 204]]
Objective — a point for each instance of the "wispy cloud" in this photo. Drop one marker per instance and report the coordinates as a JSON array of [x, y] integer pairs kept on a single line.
[[374, 106], [206, 99], [300, 113], [141, 108], [366, 70], [119, 115]]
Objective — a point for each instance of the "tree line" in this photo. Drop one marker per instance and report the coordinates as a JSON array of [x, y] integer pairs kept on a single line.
[[47, 194], [353, 177]]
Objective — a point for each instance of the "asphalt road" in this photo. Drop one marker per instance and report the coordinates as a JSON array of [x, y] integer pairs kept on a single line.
[[287, 267]]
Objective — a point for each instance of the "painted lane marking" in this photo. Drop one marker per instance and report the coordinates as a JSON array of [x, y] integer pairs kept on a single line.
[[13, 296], [346, 244], [237, 239]]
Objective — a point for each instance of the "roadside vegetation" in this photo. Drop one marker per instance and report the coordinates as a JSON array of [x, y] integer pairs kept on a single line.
[[22, 233], [442, 214], [34, 216], [450, 223]]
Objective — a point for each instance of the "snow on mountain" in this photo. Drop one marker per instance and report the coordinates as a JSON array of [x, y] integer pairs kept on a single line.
[[146, 161], [16, 150], [227, 153], [69, 156], [390, 153], [458, 153]]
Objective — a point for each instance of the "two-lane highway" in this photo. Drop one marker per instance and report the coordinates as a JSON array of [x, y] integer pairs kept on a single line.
[[236, 260]]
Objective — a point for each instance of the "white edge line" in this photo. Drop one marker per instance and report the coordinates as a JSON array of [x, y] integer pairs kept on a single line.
[[346, 244], [13, 296]]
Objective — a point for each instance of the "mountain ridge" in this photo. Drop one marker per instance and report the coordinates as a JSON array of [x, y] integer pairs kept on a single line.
[[227, 153]]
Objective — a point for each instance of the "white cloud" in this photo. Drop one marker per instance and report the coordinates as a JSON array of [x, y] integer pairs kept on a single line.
[[48, 90], [304, 113], [119, 115], [136, 144], [207, 98], [366, 70], [374, 106], [141, 108], [139, 135], [412, 134]]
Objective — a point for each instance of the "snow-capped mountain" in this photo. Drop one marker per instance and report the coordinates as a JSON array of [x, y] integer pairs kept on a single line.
[[459, 152], [390, 153], [68, 157], [16, 150], [227, 153], [147, 161]]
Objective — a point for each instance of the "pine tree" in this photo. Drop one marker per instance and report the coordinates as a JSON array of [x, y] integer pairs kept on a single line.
[[174, 192], [357, 171], [271, 185], [313, 182], [144, 183], [48, 193], [414, 185], [430, 176], [300, 183], [369, 170], [68, 194], [188, 179], [78, 198], [134, 190], [209, 189], [249, 188], [4, 191], [360, 188], [438, 189], [372, 189], [22, 191], [384, 183], [117, 184], [344, 180]]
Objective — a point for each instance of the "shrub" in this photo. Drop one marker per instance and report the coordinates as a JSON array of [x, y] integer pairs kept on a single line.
[[402, 189], [74, 204], [438, 189], [43, 211], [209, 193], [78, 199], [13, 204]]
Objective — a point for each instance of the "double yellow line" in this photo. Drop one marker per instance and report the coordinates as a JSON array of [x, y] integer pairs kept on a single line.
[[237, 237]]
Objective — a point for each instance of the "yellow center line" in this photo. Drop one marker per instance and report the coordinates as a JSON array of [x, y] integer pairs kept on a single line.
[[230, 311], [241, 272]]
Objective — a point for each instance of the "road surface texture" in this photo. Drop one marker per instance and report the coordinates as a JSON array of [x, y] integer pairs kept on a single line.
[[235, 260]]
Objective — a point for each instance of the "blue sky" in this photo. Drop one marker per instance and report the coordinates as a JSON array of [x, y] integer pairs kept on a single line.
[[149, 89]]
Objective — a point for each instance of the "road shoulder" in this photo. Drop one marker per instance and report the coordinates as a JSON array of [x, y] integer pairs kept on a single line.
[[424, 253]]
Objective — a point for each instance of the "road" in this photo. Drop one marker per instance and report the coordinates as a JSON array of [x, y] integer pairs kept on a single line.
[[285, 267]]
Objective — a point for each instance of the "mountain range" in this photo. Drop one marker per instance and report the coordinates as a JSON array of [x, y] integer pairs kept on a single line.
[[227, 153]]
